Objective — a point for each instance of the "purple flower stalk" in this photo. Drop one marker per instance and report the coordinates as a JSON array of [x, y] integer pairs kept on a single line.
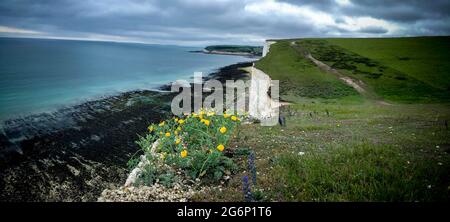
[[246, 189]]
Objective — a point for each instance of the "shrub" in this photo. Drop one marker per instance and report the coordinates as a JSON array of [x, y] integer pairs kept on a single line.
[[194, 144]]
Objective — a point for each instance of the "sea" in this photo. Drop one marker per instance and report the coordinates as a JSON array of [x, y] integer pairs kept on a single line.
[[42, 75], [71, 111]]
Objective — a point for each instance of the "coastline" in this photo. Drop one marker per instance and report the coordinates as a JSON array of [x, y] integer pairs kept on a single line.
[[77, 161], [261, 107], [245, 54]]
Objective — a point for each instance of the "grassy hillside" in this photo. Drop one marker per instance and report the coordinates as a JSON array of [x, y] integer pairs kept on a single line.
[[403, 70], [340, 146], [424, 58], [300, 78], [347, 152]]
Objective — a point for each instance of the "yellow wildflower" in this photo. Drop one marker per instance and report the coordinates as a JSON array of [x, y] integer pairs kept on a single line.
[[167, 134], [162, 123], [202, 112], [183, 153], [211, 114], [234, 118], [223, 130], [177, 141], [226, 115], [151, 128], [181, 121], [206, 122], [220, 147]]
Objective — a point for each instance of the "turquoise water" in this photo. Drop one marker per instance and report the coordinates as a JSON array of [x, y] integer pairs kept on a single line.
[[38, 75]]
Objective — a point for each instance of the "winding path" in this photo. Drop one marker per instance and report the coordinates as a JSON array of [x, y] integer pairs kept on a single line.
[[358, 85]]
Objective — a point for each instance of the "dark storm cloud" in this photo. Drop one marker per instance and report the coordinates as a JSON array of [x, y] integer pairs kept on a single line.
[[373, 30], [201, 22], [403, 11]]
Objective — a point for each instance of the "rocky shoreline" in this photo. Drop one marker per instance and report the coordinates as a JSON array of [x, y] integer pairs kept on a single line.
[[74, 154], [260, 107]]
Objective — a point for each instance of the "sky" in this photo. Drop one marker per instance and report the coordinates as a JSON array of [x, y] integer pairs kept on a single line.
[[208, 22]]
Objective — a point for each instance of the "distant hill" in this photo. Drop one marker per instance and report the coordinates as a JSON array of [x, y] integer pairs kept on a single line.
[[234, 50]]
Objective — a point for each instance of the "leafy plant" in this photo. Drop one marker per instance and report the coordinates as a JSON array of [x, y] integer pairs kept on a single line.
[[194, 144], [132, 163], [242, 151], [148, 176]]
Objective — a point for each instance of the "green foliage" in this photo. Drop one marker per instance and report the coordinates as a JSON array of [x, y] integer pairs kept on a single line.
[[148, 176], [167, 179], [155, 172], [194, 144], [212, 166], [145, 142], [242, 151], [132, 163], [254, 50], [258, 195]]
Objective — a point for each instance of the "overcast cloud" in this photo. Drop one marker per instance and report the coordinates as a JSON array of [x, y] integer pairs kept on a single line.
[[205, 22]]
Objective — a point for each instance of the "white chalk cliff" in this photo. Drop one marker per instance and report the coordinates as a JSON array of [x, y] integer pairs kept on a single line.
[[261, 105]]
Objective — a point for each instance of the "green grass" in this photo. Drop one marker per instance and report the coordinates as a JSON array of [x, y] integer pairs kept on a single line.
[[395, 69], [359, 152], [358, 172], [340, 146], [424, 58], [300, 78]]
